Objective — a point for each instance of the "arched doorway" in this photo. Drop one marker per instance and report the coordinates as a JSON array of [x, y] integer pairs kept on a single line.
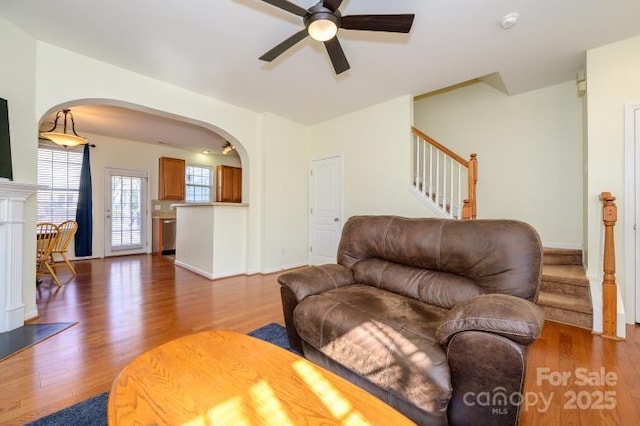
[[130, 139]]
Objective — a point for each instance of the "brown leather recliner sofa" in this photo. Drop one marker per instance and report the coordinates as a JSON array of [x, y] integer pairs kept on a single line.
[[433, 316]]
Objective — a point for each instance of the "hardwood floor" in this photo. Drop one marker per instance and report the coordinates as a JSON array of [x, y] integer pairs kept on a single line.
[[125, 306], [588, 380]]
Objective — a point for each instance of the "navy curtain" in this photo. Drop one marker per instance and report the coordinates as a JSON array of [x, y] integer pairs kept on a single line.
[[84, 212]]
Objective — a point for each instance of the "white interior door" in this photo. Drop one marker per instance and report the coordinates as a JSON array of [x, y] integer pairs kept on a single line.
[[125, 212], [325, 213], [635, 202]]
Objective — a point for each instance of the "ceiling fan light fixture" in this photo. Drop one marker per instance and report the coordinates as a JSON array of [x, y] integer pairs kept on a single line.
[[322, 22], [322, 26], [227, 148], [64, 139]]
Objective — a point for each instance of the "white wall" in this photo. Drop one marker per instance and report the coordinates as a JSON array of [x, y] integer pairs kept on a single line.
[[64, 78], [529, 150], [18, 86], [613, 80], [375, 143], [134, 155], [285, 194]]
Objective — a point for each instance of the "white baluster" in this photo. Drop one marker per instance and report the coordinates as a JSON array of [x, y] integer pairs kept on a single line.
[[459, 191], [430, 171], [451, 189], [424, 167], [444, 184], [417, 170], [437, 176]]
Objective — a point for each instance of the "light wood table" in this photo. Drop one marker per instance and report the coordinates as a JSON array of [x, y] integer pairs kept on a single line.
[[227, 378]]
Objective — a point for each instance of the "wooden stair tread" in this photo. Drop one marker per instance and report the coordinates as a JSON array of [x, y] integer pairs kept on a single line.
[[564, 302], [553, 250], [569, 274], [560, 256]]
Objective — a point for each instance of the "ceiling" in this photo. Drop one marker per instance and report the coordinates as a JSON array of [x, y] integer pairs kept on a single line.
[[212, 46], [139, 126]]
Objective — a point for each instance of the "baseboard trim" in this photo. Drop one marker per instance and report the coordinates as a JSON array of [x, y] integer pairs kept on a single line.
[[283, 268], [211, 276], [435, 210], [194, 269], [31, 315]]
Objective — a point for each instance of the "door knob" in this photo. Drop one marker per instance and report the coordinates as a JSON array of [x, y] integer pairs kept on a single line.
[[335, 219]]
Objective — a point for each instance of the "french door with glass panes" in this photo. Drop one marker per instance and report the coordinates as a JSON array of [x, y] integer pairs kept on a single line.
[[125, 212]]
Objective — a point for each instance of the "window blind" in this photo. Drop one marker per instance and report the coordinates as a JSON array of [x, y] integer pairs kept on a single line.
[[59, 171]]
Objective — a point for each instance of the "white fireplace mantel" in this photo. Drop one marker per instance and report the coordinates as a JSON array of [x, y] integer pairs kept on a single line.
[[12, 198]]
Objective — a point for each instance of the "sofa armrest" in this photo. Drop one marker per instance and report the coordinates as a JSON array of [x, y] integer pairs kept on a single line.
[[297, 285], [316, 279], [505, 315]]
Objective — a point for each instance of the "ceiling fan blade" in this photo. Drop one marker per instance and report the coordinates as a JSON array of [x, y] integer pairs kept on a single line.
[[332, 5], [282, 47], [387, 23], [338, 59], [288, 6]]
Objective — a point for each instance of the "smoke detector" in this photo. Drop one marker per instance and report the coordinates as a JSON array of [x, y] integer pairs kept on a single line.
[[509, 20]]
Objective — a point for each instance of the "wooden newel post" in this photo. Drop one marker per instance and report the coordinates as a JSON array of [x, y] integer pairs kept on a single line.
[[473, 181], [609, 286], [466, 209]]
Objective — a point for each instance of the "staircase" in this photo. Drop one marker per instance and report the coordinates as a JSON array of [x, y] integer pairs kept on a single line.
[[565, 296], [443, 179], [447, 183]]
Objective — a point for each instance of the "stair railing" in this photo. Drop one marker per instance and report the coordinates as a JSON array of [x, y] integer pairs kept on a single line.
[[444, 177], [609, 286]]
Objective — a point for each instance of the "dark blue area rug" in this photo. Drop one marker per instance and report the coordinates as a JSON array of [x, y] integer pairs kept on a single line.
[[93, 411]]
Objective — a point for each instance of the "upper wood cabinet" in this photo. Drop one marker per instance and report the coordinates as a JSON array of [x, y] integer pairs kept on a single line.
[[171, 179], [228, 184]]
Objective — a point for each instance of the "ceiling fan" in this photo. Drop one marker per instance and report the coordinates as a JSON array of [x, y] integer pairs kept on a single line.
[[322, 22]]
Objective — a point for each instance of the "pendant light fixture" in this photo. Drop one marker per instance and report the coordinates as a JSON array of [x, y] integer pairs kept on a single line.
[[64, 139]]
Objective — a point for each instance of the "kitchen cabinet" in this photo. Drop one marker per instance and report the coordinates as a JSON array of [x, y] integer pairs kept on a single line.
[[171, 179], [228, 184]]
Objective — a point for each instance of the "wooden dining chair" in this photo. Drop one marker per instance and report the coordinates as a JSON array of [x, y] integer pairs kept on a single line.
[[46, 239], [67, 230]]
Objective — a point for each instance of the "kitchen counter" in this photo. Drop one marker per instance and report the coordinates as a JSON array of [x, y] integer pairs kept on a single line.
[[209, 204], [163, 215]]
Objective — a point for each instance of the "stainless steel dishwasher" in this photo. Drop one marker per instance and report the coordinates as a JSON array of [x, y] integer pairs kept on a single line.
[[168, 236]]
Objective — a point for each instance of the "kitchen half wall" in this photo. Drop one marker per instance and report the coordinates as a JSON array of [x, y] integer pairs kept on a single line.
[[132, 155]]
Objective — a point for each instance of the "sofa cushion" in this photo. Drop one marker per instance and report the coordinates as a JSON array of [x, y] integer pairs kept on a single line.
[[500, 256], [387, 338], [442, 289]]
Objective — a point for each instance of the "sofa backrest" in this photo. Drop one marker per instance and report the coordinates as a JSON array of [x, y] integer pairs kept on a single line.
[[443, 261]]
